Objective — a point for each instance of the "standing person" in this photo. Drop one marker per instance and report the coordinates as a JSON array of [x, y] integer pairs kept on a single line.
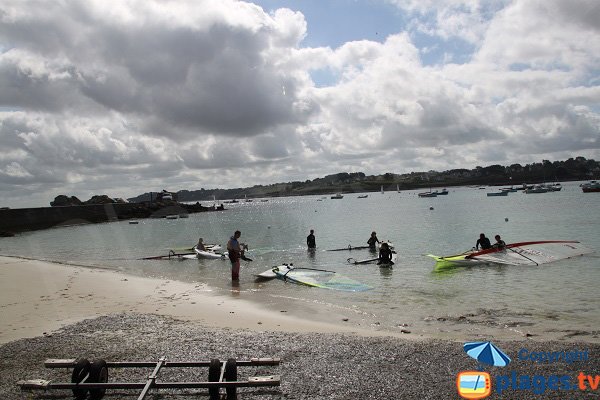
[[483, 242], [235, 253], [310, 240], [500, 244], [372, 241]]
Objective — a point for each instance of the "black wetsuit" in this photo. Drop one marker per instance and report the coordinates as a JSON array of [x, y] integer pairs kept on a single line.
[[484, 243], [310, 241], [371, 242], [385, 256]]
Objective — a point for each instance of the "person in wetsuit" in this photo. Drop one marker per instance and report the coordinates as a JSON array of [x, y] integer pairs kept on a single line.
[[373, 241], [385, 255], [310, 240], [500, 244], [483, 242]]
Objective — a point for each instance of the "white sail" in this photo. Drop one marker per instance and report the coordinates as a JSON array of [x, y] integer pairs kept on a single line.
[[532, 253]]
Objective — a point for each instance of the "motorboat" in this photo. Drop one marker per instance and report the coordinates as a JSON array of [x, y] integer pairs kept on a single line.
[[591, 187], [337, 196], [499, 193], [537, 189]]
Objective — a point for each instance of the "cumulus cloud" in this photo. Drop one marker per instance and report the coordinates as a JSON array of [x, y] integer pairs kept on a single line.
[[122, 98]]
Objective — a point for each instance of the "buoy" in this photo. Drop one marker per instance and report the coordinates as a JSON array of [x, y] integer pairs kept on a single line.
[[431, 208], [506, 219]]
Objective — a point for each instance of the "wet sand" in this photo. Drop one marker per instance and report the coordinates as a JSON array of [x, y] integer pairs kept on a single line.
[[39, 297]]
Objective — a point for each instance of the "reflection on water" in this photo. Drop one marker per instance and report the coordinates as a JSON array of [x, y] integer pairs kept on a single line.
[[551, 300]]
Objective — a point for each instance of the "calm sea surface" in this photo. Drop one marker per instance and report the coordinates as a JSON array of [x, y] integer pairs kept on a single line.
[[559, 300]]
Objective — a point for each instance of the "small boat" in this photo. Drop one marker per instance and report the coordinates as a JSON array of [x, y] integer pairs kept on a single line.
[[537, 189], [511, 189], [591, 187], [554, 187], [442, 193], [428, 194], [500, 193], [171, 216], [364, 196], [337, 196], [133, 222]]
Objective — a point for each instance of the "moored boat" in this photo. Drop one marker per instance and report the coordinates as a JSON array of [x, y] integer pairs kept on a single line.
[[337, 196], [537, 189], [591, 187], [428, 194], [500, 193]]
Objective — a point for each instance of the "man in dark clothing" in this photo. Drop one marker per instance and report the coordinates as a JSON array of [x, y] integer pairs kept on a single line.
[[310, 240], [372, 242], [483, 242], [235, 253]]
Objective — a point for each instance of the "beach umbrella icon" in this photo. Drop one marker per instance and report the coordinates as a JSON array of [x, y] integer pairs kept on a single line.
[[486, 353]]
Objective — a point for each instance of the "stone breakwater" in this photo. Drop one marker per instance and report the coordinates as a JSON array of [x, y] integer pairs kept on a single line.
[[28, 219]]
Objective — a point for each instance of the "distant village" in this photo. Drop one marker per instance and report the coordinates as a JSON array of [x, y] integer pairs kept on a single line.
[[578, 168]]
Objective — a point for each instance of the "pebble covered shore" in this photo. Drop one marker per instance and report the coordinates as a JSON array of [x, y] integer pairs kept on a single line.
[[313, 366]]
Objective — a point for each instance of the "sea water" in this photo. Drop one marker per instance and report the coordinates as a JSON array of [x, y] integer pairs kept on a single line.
[[553, 301]]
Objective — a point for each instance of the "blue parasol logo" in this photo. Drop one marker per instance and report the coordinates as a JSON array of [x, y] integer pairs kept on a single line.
[[487, 353]]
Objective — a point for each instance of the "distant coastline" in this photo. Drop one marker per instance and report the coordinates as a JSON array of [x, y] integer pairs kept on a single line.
[[573, 169], [18, 220]]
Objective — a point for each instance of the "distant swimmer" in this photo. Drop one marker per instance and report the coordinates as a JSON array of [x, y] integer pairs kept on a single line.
[[372, 242], [483, 242], [310, 240], [500, 244]]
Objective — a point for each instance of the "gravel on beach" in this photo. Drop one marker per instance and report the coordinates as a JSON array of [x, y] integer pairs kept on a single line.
[[313, 366]]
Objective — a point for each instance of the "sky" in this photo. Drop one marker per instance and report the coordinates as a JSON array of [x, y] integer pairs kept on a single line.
[[131, 96]]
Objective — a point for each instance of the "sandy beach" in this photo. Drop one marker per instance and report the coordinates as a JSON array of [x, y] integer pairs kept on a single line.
[[62, 311], [37, 298]]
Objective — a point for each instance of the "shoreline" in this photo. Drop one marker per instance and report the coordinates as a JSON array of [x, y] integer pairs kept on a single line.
[[63, 311], [65, 293], [41, 297]]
